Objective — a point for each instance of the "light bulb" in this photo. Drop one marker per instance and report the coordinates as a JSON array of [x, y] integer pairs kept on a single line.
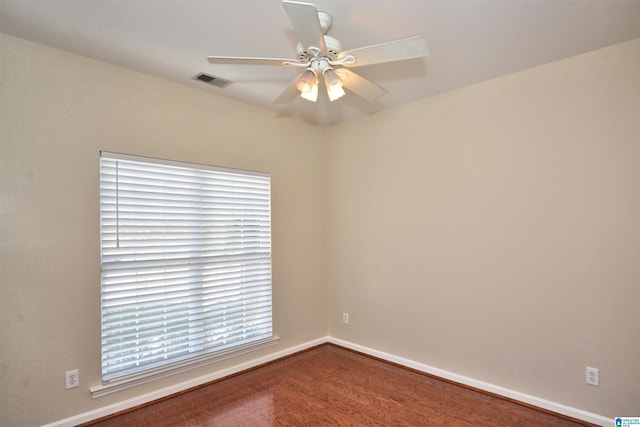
[[335, 92], [331, 78], [334, 84], [311, 94], [306, 81]]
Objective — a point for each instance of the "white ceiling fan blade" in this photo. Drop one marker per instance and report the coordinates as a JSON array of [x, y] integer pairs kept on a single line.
[[248, 61], [397, 50], [289, 94], [306, 23], [359, 85]]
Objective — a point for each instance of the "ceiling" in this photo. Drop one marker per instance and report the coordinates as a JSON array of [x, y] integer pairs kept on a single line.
[[469, 40]]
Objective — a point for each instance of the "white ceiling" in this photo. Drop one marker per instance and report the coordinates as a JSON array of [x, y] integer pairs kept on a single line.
[[469, 40]]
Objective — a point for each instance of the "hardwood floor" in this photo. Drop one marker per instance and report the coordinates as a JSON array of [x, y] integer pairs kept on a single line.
[[332, 386]]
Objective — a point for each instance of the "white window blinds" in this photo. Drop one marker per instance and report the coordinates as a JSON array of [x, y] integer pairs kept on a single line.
[[185, 263]]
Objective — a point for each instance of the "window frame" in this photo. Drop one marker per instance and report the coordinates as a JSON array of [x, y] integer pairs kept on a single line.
[[205, 355]]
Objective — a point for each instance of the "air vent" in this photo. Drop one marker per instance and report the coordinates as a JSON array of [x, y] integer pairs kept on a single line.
[[212, 80]]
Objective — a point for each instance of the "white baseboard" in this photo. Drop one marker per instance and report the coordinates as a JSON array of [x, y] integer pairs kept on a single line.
[[511, 394], [492, 388], [149, 397]]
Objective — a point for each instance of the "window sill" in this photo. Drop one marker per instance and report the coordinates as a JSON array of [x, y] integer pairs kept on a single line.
[[116, 386]]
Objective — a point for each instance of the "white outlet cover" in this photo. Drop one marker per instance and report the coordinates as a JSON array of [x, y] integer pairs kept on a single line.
[[592, 376], [71, 379]]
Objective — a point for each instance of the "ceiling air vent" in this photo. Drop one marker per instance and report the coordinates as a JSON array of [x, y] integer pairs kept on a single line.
[[212, 80]]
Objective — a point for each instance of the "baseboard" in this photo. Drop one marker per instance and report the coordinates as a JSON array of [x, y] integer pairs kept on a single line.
[[149, 397], [491, 388]]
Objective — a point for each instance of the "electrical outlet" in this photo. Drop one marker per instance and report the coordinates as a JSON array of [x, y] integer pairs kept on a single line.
[[71, 379], [593, 376], [345, 318]]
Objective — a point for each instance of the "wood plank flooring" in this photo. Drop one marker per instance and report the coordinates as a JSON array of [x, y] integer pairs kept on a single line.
[[333, 386]]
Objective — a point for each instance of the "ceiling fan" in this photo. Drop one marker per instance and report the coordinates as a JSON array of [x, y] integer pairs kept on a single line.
[[322, 57]]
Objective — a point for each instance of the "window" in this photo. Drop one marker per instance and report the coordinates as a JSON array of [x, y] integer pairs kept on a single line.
[[185, 264]]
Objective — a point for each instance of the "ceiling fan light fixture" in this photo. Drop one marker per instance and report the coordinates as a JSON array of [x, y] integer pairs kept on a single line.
[[311, 94], [331, 78], [334, 84], [335, 92], [306, 81]]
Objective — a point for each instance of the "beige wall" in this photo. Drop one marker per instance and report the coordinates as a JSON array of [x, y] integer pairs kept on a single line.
[[57, 111], [491, 231], [494, 231]]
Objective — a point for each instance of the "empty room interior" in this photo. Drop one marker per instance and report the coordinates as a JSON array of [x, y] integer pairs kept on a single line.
[[479, 220]]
